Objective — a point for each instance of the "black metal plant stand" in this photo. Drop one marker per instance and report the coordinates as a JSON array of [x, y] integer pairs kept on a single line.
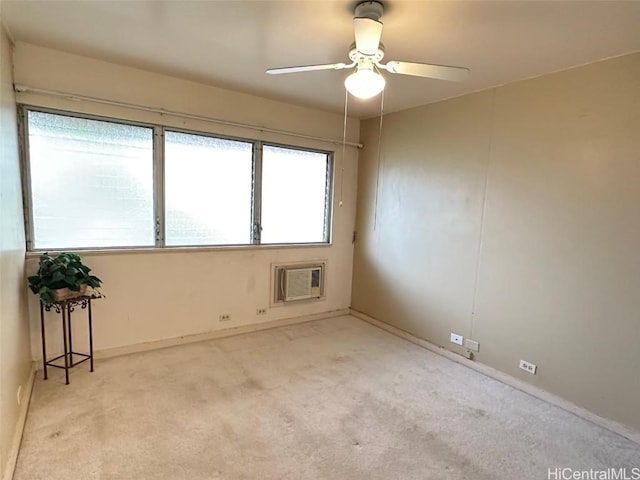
[[65, 307]]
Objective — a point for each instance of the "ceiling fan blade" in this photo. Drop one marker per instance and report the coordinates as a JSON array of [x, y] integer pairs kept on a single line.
[[440, 72], [308, 68], [368, 33]]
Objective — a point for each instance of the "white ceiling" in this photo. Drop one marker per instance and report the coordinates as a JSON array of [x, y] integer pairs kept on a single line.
[[231, 43]]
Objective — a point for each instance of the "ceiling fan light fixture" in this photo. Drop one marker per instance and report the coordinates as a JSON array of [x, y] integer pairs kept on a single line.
[[366, 54], [364, 83]]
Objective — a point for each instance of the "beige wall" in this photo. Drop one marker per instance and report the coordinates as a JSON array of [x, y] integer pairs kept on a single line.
[[15, 355], [511, 217], [166, 294]]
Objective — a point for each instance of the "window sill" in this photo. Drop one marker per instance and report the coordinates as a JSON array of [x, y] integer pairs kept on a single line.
[[213, 248]]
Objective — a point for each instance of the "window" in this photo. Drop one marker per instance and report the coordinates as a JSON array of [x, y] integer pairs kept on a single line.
[[207, 190], [102, 183], [294, 195], [91, 182]]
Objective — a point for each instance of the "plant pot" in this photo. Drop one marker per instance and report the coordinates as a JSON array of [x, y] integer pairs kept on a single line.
[[62, 294]]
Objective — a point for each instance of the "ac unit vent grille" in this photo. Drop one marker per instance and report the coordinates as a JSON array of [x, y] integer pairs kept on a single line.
[[298, 282]]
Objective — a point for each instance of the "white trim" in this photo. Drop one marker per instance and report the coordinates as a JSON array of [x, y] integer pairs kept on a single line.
[[14, 447], [201, 337], [502, 377]]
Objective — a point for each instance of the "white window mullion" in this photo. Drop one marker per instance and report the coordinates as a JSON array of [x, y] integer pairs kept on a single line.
[[158, 185], [23, 132], [328, 204], [256, 224]]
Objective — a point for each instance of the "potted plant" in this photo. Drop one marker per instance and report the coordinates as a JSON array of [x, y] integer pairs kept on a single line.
[[63, 277]]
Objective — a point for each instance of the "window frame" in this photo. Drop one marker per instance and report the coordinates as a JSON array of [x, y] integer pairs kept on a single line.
[[162, 160], [159, 173], [328, 190]]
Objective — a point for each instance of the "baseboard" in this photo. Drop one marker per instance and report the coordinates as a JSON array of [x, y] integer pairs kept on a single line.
[[14, 448], [502, 377], [200, 337]]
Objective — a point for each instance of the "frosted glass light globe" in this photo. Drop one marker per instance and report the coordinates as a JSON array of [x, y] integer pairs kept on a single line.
[[364, 83]]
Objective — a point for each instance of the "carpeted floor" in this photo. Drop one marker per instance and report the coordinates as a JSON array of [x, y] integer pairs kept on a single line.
[[330, 399]]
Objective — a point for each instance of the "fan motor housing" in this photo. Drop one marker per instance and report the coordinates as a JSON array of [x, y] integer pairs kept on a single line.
[[354, 54], [369, 9]]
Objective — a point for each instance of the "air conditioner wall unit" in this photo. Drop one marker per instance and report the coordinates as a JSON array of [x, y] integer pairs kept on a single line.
[[294, 282]]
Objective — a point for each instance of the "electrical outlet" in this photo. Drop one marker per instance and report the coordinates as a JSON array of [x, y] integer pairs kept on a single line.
[[528, 367], [225, 317], [472, 345], [457, 339], [18, 394], [261, 311]]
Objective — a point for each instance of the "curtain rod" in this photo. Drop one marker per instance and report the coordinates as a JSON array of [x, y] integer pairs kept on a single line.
[[162, 111]]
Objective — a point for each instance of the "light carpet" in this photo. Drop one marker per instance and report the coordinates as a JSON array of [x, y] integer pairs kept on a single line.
[[329, 399]]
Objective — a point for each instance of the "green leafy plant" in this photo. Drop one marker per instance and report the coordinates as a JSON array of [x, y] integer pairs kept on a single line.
[[63, 271]]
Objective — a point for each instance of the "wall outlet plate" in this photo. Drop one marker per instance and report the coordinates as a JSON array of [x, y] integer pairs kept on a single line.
[[472, 345], [528, 367], [261, 311], [225, 317], [457, 339]]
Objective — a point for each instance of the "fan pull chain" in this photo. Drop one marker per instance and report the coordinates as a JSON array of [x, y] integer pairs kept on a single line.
[[375, 208], [344, 144]]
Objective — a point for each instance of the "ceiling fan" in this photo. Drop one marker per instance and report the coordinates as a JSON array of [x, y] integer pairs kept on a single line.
[[366, 54]]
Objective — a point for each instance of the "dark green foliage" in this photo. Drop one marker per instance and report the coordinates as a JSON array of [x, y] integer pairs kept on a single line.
[[64, 271]]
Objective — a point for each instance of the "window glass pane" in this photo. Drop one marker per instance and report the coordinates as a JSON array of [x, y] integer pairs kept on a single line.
[[294, 186], [91, 182], [207, 190]]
